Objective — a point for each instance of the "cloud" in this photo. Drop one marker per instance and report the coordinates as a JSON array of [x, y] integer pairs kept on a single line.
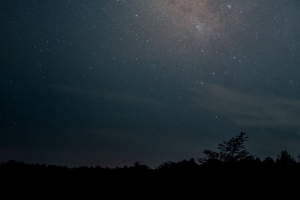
[[244, 109], [249, 110], [122, 97]]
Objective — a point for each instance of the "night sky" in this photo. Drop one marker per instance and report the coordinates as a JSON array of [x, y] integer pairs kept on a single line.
[[113, 82]]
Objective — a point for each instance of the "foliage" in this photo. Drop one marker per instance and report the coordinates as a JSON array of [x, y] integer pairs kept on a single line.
[[285, 159], [230, 151]]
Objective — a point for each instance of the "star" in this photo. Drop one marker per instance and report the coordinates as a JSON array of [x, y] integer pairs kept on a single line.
[[198, 27]]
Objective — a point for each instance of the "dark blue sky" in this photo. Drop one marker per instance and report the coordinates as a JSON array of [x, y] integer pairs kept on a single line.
[[113, 82]]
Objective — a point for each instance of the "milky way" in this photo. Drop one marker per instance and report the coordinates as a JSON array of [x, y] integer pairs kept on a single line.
[[192, 18], [205, 20]]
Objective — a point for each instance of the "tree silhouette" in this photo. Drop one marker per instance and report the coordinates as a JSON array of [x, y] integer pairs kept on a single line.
[[230, 151], [229, 172], [268, 162], [285, 159]]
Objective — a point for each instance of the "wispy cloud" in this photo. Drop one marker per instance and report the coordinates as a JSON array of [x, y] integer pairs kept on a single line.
[[244, 109], [261, 111], [122, 97]]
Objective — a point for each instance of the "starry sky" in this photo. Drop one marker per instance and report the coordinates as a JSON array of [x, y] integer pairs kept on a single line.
[[113, 82]]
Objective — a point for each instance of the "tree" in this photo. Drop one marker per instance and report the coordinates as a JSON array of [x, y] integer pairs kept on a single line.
[[268, 162], [210, 157], [285, 159], [230, 151], [166, 165], [139, 166]]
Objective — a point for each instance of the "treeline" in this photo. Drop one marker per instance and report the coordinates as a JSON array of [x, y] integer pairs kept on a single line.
[[231, 169]]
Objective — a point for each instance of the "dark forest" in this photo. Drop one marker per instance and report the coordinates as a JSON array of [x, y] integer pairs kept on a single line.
[[232, 171]]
